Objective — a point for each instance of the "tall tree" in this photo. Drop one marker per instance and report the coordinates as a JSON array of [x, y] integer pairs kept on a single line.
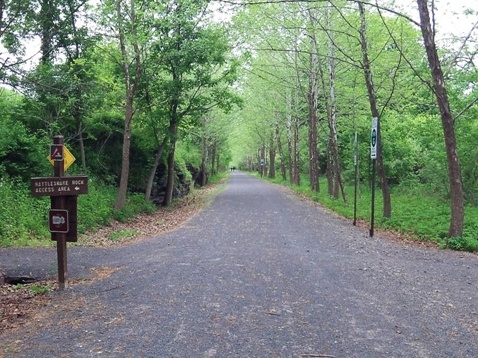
[[121, 17], [439, 87], [194, 58], [366, 65], [312, 101]]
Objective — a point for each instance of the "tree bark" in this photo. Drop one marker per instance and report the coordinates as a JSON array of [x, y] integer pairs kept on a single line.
[[131, 86], [204, 153], [168, 196], [47, 12], [289, 148], [312, 102], [296, 146], [213, 158], [272, 157], [330, 170], [454, 169], [334, 147], [152, 174], [281, 153], [387, 202]]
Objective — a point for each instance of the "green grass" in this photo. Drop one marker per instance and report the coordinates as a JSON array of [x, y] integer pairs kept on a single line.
[[39, 289], [24, 219], [421, 217], [122, 234]]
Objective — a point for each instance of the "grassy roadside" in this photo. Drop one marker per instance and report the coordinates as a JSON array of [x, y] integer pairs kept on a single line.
[[416, 216], [24, 219]]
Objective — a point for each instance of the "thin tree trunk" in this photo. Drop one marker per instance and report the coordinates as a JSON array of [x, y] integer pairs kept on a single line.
[[334, 147], [152, 174], [330, 170], [131, 89], [454, 170], [312, 102], [204, 152], [281, 153], [168, 197], [387, 203], [296, 146], [289, 149], [47, 27], [213, 157], [272, 157], [82, 147]]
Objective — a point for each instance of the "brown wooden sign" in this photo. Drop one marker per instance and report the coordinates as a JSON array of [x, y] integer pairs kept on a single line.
[[59, 186], [71, 205]]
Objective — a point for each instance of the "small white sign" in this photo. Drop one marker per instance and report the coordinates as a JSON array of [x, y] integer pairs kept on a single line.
[[374, 138], [356, 149]]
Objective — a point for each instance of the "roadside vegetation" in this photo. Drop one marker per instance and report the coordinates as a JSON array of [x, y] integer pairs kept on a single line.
[[415, 216], [24, 222]]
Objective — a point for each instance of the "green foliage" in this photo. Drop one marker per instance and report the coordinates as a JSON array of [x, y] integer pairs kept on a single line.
[[187, 155], [463, 243], [135, 204], [22, 152], [39, 289], [23, 219], [26, 222]]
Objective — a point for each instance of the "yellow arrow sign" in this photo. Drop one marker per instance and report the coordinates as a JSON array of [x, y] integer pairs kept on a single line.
[[68, 158]]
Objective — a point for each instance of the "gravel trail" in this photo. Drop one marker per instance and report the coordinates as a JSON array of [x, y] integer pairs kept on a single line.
[[259, 273]]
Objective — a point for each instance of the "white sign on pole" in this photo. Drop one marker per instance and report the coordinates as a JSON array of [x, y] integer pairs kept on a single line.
[[356, 149], [374, 138]]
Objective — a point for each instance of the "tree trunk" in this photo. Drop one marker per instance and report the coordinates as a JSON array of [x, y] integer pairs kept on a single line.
[[334, 147], [152, 174], [168, 196], [204, 152], [296, 146], [263, 160], [312, 102], [82, 147], [213, 157], [330, 170], [289, 149], [131, 89], [281, 153], [272, 157], [387, 203], [47, 13], [454, 170]]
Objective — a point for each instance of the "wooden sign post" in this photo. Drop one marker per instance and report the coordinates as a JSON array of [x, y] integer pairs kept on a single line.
[[59, 203], [63, 192]]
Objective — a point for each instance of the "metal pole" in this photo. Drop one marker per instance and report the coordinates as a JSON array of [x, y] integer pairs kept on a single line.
[[356, 178], [372, 219]]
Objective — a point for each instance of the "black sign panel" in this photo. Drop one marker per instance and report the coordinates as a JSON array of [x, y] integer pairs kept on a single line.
[[56, 152], [59, 186], [58, 220]]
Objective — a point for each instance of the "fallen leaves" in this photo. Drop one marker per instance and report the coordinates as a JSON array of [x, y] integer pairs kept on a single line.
[[18, 302], [163, 220]]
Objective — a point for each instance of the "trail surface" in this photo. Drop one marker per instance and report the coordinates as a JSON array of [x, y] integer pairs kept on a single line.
[[259, 273]]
